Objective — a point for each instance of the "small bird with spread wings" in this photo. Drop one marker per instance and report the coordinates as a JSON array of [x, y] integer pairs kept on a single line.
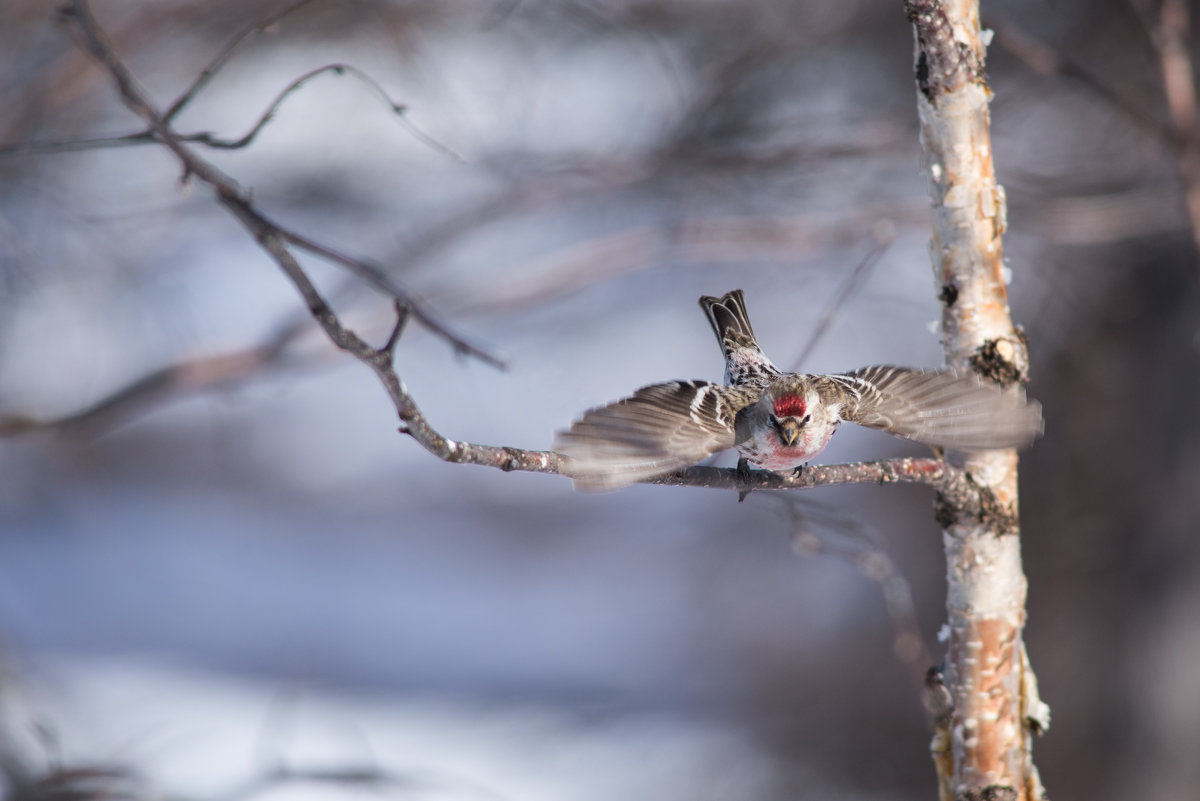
[[779, 420]]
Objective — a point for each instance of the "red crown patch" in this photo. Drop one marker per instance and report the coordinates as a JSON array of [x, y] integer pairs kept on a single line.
[[790, 406]]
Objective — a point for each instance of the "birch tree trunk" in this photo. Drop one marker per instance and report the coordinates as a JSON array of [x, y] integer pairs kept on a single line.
[[985, 695]]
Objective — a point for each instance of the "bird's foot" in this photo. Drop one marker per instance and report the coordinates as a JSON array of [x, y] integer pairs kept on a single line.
[[743, 469], [798, 470], [744, 474]]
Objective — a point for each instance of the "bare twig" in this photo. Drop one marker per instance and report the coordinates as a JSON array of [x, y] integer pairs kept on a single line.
[[853, 282], [189, 375], [369, 271], [148, 137], [223, 56], [389, 347], [1169, 29], [270, 235], [1049, 62], [209, 139], [35, 148], [338, 69], [268, 114], [947, 479], [818, 530]]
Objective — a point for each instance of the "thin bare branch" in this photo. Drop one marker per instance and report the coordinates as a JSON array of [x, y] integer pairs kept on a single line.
[[854, 281], [953, 485], [270, 235], [821, 530], [209, 139], [190, 375], [1049, 62], [36, 148], [1169, 31], [338, 69], [187, 376], [389, 347], [223, 56]]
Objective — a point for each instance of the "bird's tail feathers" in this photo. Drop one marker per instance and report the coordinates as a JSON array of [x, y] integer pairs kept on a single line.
[[731, 324]]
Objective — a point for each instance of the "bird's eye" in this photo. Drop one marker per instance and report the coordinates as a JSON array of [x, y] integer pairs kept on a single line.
[[806, 418]]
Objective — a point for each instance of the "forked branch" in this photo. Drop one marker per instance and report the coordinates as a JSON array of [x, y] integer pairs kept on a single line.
[[269, 234]]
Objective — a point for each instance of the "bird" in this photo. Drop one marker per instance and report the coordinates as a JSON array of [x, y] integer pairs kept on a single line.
[[780, 420]]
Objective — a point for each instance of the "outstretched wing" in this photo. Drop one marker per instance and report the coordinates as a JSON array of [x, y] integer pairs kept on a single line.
[[938, 407], [657, 430]]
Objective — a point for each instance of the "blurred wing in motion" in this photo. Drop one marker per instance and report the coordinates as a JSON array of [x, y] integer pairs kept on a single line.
[[657, 430], [939, 407]]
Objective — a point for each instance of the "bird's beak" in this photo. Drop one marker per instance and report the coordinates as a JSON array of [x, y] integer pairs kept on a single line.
[[789, 432]]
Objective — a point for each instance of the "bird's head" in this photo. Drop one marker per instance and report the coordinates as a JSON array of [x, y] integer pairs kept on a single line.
[[790, 412]]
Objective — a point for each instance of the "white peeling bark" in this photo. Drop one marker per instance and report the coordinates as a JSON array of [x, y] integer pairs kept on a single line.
[[982, 746]]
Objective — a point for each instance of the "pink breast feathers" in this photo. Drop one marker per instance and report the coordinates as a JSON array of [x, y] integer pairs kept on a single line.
[[790, 406]]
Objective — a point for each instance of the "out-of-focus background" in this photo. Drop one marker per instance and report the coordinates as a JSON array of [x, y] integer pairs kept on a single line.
[[207, 590]]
